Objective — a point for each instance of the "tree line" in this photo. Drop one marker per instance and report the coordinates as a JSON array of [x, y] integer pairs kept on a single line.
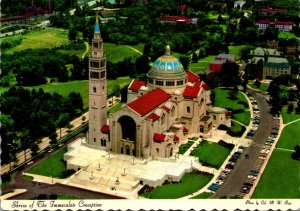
[[32, 67], [27, 116]]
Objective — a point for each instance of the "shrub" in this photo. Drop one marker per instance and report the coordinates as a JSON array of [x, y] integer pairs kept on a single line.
[[67, 173], [142, 190]]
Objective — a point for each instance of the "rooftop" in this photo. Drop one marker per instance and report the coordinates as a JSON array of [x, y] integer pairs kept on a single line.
[[149, 101], [135, 85]]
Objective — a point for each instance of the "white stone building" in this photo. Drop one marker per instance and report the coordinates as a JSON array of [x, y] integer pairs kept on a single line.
[[160, 113]]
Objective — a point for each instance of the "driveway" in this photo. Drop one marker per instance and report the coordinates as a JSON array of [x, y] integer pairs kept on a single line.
[[238, 176]]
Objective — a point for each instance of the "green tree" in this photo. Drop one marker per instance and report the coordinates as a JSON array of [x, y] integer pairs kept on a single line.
[[296, 155], [73, 34]]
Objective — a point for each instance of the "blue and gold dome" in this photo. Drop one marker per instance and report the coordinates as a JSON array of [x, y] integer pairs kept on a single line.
[[167, 66]]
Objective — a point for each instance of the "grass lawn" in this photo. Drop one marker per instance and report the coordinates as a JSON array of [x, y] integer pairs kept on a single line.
[[222, 100], [116, 53], [235, 50], [202, 64], [235, 127], [52, 166], [115, 108], [286, 35], [262, 87], [39, 38], [288, 117], [211, 153], [280, 178], [81, 87], [290, 136], [184, 147], [190, 183], [204, 195]]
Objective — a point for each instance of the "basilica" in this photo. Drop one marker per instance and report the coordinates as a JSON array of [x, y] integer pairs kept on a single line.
[[160, 113]]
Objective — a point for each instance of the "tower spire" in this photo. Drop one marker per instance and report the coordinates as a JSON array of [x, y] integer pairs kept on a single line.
[[97, 26]]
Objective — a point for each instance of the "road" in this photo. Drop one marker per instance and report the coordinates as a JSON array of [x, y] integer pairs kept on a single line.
[[45, 141], [238, 176]]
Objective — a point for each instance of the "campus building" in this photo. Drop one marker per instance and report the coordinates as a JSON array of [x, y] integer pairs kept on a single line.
[[285, 26], [268, 63], [160, 113]]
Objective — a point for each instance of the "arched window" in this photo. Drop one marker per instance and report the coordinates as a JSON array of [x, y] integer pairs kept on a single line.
[[94, 89], [157, 150], [214, 117], [173, 112], [163, 119], [188, 109]]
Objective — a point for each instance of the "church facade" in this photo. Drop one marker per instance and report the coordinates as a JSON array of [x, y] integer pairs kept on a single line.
[[160, 113]]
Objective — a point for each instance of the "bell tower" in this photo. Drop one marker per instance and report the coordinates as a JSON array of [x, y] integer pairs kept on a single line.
[[97, 89]]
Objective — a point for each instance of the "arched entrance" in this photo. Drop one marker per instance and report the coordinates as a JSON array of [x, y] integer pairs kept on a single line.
[[127, 135], [127, 150]]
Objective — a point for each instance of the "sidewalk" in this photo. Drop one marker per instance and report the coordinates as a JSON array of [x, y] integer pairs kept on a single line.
[[16, 192]]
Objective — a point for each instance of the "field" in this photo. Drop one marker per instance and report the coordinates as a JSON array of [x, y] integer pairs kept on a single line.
[[52, 166], [42, 38], [223, 100], [280, 178], [290, 136], [190, 183], [81, 87], [116, 53], [211, 153], [288, 117]]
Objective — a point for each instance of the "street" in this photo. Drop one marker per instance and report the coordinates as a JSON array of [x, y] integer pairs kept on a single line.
[[238, 176]]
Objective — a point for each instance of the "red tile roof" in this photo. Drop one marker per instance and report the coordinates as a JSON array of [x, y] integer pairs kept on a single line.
[[149, 101], [175, 138], [176, 19], [165, 108], [185, 130], [270, 9], [192, 91], [205, 86], [135, 85], [192, 77], [153, 117], [275, 22], [159, 137], [105, 129]]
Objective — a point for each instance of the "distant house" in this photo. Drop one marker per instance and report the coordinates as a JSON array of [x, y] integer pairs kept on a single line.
[[216, 65], [273, 10], [239, 4], [178, 19], [285, 26], [267, 63]]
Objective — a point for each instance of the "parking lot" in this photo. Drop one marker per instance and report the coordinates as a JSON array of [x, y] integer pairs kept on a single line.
[[242, 176]]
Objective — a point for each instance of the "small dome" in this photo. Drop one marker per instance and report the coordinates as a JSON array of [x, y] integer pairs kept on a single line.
[[144, 88], [167, 66], [177, 92]]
